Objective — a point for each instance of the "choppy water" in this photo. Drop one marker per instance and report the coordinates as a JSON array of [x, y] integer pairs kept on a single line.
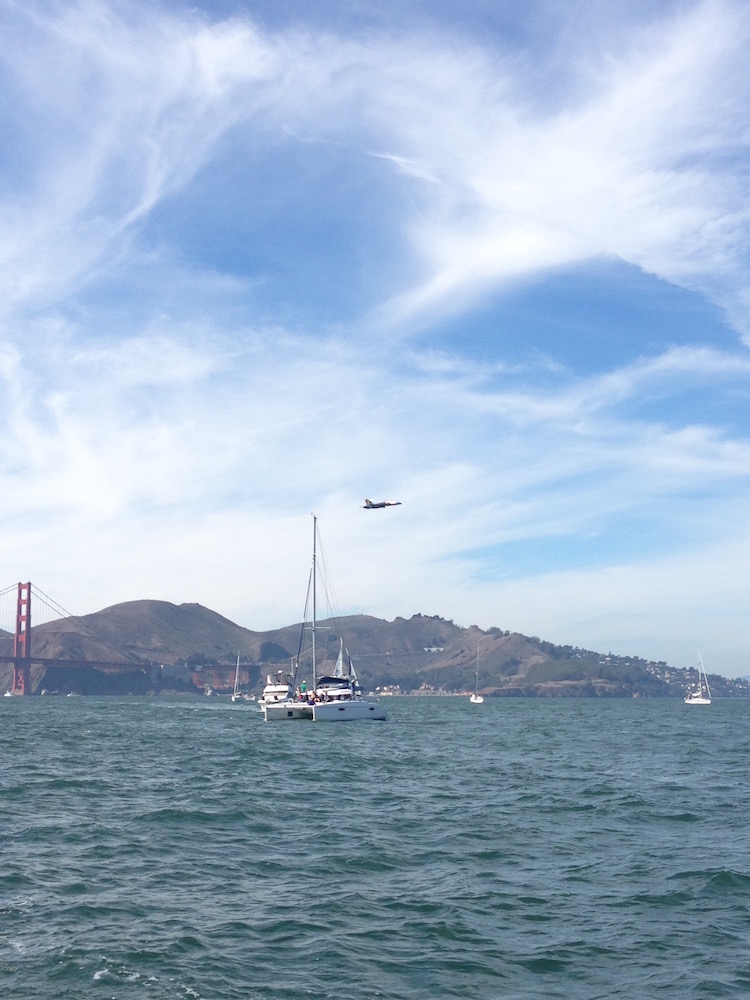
[[519, 849]]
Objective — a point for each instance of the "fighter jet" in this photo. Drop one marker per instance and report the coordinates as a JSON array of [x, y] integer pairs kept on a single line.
[[369, 505]]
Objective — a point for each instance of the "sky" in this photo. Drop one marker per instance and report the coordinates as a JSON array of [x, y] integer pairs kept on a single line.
[[267, 259]]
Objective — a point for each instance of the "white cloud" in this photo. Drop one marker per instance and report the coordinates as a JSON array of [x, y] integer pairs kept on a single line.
[[644, 165], [505, 188], [125, 114]]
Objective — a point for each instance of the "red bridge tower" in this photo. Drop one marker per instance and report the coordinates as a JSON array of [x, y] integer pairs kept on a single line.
[[22, 642]]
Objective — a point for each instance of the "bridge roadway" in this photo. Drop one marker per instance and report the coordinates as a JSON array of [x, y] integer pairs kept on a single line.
[[96, 664]]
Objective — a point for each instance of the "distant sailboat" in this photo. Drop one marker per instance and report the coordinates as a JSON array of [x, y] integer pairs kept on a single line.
[[476, 698], [236, 696], [701, 694]]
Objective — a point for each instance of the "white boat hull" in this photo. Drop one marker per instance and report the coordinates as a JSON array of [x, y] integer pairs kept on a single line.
[[279, 711], [344, 711], [701, 694], [330, 711]]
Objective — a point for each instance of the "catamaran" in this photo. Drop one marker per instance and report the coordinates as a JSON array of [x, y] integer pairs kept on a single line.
[[335, 697], [338, 697]]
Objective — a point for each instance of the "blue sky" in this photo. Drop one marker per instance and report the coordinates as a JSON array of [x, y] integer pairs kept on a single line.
[[266, 259]]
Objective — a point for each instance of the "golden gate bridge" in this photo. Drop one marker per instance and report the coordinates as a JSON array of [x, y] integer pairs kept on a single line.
[[22, 656]]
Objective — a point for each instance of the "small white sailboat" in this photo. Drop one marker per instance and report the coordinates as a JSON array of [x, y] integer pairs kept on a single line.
[[237, 694], [701, 694], [476, 698]]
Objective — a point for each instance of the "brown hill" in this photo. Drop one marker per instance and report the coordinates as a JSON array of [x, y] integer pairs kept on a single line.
[[179, 647], [144, 631]]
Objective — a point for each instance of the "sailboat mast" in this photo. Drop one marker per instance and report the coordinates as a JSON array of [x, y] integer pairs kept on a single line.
[[702, 675], [314, 598]]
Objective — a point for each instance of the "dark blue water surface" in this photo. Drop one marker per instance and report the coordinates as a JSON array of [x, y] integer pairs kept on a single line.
[[157, 848]]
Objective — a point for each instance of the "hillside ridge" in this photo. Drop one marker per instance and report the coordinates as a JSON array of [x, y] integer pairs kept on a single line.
[[189, 647]]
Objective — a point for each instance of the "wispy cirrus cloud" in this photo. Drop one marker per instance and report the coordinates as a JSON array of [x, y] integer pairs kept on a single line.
[[129, 106], [644, 163]]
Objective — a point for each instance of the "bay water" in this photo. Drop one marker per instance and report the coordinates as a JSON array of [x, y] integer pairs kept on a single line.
[[163, 848]]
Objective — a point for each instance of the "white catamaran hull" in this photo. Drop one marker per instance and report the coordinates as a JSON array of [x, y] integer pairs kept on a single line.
[[343, 711]]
